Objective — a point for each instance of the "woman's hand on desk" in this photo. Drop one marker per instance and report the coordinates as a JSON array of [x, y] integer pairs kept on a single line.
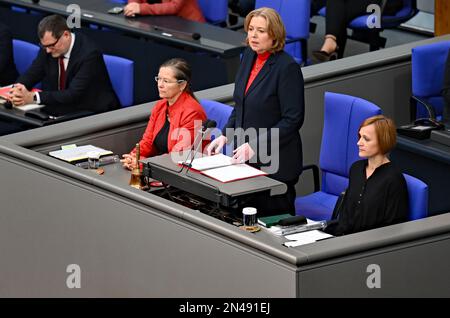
[[216, 145], [128, 161], [242, 153], [131, 9]]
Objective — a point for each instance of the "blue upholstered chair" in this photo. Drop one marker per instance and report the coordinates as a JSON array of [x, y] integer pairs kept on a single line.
[[343, 116], [295, 16], [215, 12], [24, 54], [218, 112], [121, 73], [362, 33], [428, 64], [418, 197]]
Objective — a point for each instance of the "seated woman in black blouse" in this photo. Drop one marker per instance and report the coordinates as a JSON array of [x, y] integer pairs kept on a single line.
[[377, 194]]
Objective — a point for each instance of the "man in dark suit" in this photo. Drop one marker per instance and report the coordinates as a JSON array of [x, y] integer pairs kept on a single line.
[[8, 71], [73, 73]]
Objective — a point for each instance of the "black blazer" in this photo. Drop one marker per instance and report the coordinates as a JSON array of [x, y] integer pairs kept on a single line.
[[87, 86], [274, 100], [8, 71]]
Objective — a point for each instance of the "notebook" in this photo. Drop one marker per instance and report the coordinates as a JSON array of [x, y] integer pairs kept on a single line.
[[76, 154]]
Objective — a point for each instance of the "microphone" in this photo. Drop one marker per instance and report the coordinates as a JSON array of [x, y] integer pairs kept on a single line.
[[8, 104], [208, 124]]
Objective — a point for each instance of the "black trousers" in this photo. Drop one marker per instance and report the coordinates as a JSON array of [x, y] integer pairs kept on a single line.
[[267, 205], [339, 15], [316, 5]]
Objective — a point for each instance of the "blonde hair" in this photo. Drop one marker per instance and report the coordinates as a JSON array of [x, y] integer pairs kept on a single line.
[[275, 27], [384, 129]]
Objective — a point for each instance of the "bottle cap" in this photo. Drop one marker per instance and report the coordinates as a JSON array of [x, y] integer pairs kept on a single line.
[[249, 211]]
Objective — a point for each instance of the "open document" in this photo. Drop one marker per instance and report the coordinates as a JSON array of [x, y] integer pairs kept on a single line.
[[78, 153], [220, 168]]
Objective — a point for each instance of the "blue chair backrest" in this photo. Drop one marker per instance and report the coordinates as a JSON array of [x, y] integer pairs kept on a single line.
[[121, 73], [220, 113], [343, 116], [418, 197], [295, 16], [408, 10], [217, 111], [428, 64], [24, 54], [214, 11]]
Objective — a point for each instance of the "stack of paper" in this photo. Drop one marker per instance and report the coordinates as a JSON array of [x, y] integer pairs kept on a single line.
[[78, 153]]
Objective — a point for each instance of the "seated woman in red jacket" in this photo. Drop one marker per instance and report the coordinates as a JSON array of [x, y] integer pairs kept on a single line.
[[175, 114], [187, 9]]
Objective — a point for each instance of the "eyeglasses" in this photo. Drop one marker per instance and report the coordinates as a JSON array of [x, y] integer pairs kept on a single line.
[[166, 81], [50, 46]]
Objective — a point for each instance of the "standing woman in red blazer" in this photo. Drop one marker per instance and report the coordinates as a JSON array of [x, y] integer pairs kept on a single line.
[[173, 116], [187, 9]]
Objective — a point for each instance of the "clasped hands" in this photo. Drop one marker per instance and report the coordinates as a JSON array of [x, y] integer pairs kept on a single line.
[[241, 154], [19, 95], [129, 161]]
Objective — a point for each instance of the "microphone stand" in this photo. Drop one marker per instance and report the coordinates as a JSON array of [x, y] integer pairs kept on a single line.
[[194, 147], [206, 125], [202, 134]]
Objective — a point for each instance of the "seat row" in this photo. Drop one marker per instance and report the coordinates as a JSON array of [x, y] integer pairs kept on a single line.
[[120, 70]]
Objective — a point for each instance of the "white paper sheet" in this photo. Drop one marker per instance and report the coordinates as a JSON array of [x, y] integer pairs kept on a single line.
[[209, 162], [233, 173], [305, 238], [28, 107]]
